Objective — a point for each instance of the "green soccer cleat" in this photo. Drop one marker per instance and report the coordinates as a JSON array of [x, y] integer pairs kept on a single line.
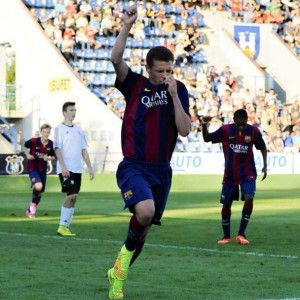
[[121, 267], [118, 274], [116, 285], [65, 231]]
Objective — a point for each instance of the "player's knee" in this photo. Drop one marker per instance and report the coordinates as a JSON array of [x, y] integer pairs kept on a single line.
[[145, 216], [72, 198], [248, 198], [38, 186]]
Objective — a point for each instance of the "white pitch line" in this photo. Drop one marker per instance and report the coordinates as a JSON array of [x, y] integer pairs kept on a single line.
[[282, 299], [166, 246]]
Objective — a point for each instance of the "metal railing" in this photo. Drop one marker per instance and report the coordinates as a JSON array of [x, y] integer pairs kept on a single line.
[[10, 132]]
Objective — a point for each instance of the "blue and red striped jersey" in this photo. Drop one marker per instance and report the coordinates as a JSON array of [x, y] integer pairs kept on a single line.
[[238, 152], [149, 132], [37, 149]]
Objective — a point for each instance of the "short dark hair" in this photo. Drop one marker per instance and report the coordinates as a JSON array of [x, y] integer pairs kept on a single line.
[[66, 105], [45, 126], [240, 114], [159, 53]]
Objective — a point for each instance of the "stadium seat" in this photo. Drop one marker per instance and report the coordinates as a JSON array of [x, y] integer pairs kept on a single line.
[[79, 53], [192, 12], [110, 79], [126, 55], [178, 10], [125, 5], [199, 57], [102, 40], [135, 43], [29, 3], [97, 92], [189, 21], [148, 31], [168, 9], [98, 79], [93, 3], [39, 4], [110, 68], [100, 66], [146, 43], [111, 41], [74, 64], [88, 53], [50, 4], [102, 54], [88, 66], [157, 42], [177, 20], [201, 22]]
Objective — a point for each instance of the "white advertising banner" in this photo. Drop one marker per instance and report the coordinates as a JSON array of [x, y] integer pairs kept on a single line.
[[213, 163], [296, 163]]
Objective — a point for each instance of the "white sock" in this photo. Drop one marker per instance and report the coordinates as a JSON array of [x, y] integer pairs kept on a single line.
[[66, 215]]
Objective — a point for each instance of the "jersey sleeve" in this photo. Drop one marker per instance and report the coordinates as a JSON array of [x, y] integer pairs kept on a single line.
[[57, 138], [127, 87], [27, 144], [52, 152], [183, 96], [216, 136], [259, 141]]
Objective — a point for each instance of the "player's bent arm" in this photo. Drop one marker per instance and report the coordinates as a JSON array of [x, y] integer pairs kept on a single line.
[[182, 120], [205, 133], [117, 53], [49, 158], [28, 155]]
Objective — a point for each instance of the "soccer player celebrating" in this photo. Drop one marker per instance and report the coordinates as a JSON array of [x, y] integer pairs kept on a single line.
[[156, 111], [237, 140], [38, 150], [70, 147]]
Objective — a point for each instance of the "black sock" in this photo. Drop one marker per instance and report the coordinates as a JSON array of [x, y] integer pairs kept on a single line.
[[246, 213], [36, 196], [135, 232], [139, 246], [226, 214]]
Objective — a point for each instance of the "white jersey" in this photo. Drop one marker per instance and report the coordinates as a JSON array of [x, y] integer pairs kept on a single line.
[[71, 141]]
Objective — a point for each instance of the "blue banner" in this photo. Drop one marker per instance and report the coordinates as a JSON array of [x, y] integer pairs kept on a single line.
[[248, 38]]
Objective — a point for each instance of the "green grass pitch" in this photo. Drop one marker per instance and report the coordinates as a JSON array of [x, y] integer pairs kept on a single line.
[[181, 259]]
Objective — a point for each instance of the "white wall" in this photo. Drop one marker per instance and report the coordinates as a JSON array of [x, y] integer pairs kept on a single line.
[[251, 75], [274, 55], [37, 63], [279, 60]]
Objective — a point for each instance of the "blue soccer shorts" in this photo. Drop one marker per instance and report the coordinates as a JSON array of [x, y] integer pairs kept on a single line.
[[36, 177], [142, 181], [231, 192]]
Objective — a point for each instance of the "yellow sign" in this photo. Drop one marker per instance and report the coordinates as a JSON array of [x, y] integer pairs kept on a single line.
[[59, 84]]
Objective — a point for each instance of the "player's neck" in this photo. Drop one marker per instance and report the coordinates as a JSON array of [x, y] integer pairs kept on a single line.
[[68, 122], [44, 141]]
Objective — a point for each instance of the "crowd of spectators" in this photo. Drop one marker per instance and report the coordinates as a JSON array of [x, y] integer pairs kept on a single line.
[[78, 26]]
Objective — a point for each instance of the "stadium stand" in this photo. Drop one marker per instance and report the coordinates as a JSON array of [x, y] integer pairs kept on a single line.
[[214, 93]]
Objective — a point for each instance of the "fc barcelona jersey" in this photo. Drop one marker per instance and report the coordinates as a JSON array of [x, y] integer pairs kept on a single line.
[[37, 149], [238, 152], [149, 132]]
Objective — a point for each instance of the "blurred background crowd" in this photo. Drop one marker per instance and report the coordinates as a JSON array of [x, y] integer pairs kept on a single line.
[[85, 31]]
